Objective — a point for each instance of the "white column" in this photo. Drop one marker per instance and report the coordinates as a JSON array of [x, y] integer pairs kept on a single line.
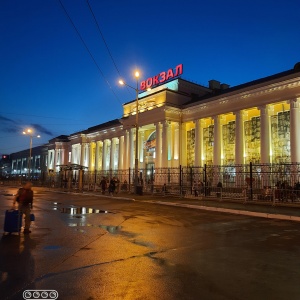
[[126, 151], [239, 138], [217, 141], [100, 162], [113, 164], [198, 142], [131, 148], [111, 155], [176, 149], [183, 143], [165, 143], [295, 130], [141, 148], [82, 149], [65, 153], [97, 156], [264, 135], [170, 143], [54, 159], [176, 145], [121, 153], [87, 154], [158, 145], [108, 153], [72, 154], [104, 155], [57, 157], [91, 161]]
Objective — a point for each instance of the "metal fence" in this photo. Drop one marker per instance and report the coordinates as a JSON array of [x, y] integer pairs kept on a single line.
[[253, 182]]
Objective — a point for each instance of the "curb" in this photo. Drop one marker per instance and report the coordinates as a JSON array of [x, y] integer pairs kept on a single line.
[[201, 207], [231, 211]]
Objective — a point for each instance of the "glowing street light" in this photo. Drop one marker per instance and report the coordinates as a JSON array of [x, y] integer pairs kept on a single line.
[[136, 161], [29, 132]]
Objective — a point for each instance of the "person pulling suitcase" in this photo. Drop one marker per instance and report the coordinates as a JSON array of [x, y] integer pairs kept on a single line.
[[24, 198]]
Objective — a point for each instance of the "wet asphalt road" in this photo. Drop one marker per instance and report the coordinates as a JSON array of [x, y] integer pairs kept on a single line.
[[87, 247]]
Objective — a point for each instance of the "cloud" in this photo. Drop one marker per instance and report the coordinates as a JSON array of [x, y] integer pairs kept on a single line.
[[12, 129], [41, 129], [8, 125], [4, 119], [15, 126]]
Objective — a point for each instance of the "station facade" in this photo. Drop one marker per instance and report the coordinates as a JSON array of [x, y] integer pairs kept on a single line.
[[183, 123]]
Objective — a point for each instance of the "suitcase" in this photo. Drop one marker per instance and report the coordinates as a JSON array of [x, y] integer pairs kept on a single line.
[[32, 217], [13, 221]]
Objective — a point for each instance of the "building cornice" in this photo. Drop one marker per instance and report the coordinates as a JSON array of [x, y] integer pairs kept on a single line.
[[278, 91]]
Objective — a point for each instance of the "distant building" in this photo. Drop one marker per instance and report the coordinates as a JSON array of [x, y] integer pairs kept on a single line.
[[183, 123], [38, 165], [5, 166]]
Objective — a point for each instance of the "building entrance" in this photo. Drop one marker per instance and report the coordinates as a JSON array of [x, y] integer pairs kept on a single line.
[[150, 172]]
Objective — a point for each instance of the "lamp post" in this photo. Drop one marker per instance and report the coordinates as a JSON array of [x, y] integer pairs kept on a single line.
[[136, 161], [29, 132]]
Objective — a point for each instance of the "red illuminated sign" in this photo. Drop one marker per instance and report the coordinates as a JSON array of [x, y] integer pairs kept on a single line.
[[161, 78]]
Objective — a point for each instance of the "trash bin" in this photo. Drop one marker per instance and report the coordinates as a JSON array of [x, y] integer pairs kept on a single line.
[[139, 190]]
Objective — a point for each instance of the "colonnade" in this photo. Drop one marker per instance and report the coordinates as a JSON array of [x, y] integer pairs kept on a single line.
[[171, 145], [265, 139]]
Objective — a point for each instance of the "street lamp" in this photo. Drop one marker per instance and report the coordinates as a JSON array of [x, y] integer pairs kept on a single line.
[[29, 132], [136, 161]]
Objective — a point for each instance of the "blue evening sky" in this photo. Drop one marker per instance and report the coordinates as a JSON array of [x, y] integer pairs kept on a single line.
[[60, 83]]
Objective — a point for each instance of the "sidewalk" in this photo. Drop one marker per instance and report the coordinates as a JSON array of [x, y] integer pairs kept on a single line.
[[255, 209], [280, 211]]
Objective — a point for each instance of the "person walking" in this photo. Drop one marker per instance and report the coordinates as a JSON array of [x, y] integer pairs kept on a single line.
[[112, 187], [24, 197], [103, 185]]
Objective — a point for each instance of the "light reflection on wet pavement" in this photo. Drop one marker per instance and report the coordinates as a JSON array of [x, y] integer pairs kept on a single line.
[[109, 228], [73, 210], [80, 212]]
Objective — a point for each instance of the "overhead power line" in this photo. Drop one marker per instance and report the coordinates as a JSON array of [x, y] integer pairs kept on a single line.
[[109, 52], [88, 50], [104, 41]]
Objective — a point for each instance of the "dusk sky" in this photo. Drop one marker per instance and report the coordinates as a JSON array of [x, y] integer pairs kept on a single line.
[[61, 59]]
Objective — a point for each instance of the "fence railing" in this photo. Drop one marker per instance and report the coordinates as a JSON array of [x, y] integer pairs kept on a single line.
[[252, 182]]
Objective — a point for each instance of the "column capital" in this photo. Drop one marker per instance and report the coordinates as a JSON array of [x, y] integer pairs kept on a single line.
[[166, 123], [176, 125], [271, 109], [264, 109], [294, 103], [198, 122], [217, 118], [241, 113]]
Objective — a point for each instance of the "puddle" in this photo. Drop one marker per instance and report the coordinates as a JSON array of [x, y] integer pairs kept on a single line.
[[109, 228], [80, 224], [82, 211]]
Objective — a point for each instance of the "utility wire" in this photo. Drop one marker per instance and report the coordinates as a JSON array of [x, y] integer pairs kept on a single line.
[[109, 52], [88, 50], [104, 41]]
